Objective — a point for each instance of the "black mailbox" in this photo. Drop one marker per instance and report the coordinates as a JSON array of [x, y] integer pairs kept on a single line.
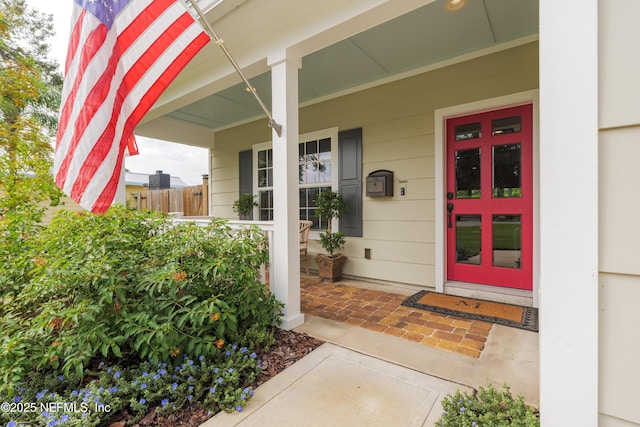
[[380, 183]]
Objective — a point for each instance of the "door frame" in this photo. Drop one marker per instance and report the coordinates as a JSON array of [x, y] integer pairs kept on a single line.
[[440, 118]]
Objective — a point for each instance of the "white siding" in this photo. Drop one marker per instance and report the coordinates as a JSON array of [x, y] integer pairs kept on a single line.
[[619, 207]]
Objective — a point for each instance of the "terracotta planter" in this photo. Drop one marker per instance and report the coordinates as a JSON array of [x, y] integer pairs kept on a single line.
[[330, 267]]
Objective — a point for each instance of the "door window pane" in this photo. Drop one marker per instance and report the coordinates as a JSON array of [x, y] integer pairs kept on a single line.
[[468, 131], [468, 174], [506, 171], [468, 239], [506, 125], [507, 247]]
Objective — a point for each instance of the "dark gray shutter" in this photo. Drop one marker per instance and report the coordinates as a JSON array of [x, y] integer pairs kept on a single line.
[[350, 175], [245, 164]]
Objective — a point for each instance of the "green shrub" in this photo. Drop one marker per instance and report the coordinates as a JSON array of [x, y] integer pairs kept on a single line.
[[487, 407], [128, 283]]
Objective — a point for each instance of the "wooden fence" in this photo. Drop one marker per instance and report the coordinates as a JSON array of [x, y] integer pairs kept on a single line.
[[191, 201]]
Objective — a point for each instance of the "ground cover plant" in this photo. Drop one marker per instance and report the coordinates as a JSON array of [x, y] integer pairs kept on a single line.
[[129, 287], [487, 407]]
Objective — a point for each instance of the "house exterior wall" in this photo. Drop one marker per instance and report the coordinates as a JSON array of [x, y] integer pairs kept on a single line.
[[619, 204], [397, 120]]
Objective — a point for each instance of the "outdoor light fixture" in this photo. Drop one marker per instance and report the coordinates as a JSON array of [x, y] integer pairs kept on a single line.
[[453, 5]]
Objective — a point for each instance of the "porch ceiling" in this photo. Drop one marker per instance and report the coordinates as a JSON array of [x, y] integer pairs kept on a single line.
[[427, 35]]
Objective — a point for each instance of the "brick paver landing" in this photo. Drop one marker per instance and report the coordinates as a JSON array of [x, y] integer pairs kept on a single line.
[[382, 312]]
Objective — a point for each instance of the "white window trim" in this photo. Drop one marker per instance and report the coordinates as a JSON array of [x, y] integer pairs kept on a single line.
[[310, 136], [440, 117]]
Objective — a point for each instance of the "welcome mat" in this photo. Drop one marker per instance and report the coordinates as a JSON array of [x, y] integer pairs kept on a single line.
[[515, 316]]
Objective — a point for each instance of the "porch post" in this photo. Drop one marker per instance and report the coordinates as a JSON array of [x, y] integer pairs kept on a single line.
[[569, 213], [285, 277]]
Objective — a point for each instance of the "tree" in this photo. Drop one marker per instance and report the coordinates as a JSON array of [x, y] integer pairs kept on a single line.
[[30, 88]]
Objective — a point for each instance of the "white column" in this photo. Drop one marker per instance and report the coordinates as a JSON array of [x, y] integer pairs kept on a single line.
[[569, 213], [285, 277]]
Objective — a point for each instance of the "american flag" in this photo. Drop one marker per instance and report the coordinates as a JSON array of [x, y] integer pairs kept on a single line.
[[122, 55]]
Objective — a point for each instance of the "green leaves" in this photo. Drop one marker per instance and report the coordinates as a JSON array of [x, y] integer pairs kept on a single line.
[[487, 407], [128, 284]]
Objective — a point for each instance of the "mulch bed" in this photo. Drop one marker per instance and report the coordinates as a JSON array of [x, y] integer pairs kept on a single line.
[[289, 347]]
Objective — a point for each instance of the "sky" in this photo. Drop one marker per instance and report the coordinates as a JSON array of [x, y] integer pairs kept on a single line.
[[186, 162]]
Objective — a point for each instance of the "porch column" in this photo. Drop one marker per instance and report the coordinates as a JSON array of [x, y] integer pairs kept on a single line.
[[285, 277], [569, 213]]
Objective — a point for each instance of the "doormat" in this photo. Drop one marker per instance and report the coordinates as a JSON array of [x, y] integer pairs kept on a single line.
[[515, 316]]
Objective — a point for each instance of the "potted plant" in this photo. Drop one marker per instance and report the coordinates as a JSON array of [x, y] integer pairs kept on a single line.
[[244, 206], [330, 204]]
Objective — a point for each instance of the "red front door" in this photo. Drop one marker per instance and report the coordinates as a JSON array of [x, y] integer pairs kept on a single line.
[[489, 198]]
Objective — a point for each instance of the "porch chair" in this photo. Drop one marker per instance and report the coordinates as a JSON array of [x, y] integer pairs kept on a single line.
[[305, 226]]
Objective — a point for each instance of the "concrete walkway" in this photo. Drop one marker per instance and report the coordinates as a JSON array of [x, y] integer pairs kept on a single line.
[[365, 378]]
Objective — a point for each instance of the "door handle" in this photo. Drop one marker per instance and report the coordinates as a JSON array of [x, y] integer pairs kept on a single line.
[[449, 211]]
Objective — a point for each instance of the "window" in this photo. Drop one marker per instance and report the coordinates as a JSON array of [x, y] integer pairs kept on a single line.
[[315, 174], [326, 160], [265, 184]]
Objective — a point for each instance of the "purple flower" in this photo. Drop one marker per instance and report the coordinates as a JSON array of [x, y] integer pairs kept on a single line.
[[239, 408], [201, 358], [212, 390], [143, 401], [162, 372], [117, 375], [17, 399], [143, 385], [113, 389], [164, 402], [174, 386]]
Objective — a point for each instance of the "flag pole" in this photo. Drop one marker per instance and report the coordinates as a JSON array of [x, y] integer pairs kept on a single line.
[[272, 123]]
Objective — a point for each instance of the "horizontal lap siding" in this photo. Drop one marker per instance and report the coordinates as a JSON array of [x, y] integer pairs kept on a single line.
[[397, 121], [619, 204]]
